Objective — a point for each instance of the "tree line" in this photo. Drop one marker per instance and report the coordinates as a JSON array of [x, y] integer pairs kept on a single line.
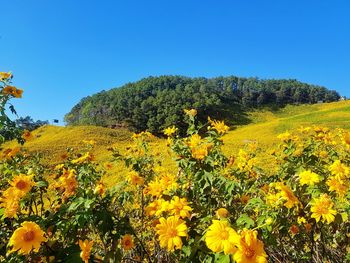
[[155, 103]]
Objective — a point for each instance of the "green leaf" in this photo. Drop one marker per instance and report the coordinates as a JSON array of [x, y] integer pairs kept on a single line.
[[245, 221]]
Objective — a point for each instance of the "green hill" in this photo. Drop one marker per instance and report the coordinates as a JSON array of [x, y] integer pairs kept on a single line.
[[155, 103]]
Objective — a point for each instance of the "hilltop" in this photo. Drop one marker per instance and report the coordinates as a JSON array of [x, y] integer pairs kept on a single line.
[[155, 103]]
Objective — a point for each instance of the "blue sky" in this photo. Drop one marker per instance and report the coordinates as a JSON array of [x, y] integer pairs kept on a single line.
[[63, 50]]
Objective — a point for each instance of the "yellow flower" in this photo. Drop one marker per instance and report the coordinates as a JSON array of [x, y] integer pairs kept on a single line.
[[339, 169], [85, 247], [157, 207], [108, 165], [170, 131], [5, 75], [285, 136], [219, 126], [191, 112], [301, 220], [90, 142], [86, 157], [127, 242], [341, 187], [11, 90], [288, 195], [22, 183], [222, 213], [273, 199], [69, 183], [201, 152], [322, 207], [169, 182], [10, 202], [179, 207], [194, 141], [154, 188], [27, 135], [26, 238], [170, 231], [308, 177], [250, 248], [135, 179], [9, 153], [220, 237]]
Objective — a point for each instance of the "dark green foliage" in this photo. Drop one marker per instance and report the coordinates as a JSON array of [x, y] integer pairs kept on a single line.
[[27, 123], [155, 103]]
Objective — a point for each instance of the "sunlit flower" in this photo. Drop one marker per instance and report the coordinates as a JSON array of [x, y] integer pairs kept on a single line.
[[294, 229], [288, 195], [341, 187], [154, 188], [22, 183], [322, 208], [127, 242], [11, 152], [339, 169], [170, 131], [69, 184], [219, 126], [250, 248], [11, 90], [100, 188], [308, 177], [200, 152], [284, 136], [180, 207], [26, 238], [135, 179], [157, 207], [194, 141], [85, 247], [170, 231], [169, 182], [191, 112], [220, 237], [10, 202], [5, 75]]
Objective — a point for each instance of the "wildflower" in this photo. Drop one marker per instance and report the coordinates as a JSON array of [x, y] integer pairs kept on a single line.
[[86, 157], [288, 195], [10, 202], [26, 238], [219, 126], [135, 179], [179, 207], [27, 135], [301, 220], [194, 141], [11, 90], [157, 207], [154, 188], [127, 242], [69, 184], [85, 247], [322, 208], [9, 153], [22, 183], [222, 213], [250, 248], [338, 185], [169, 182], [108, 165], [170, 231], [339, 169], [170, 131], [90, 142], [285, 136], [220, 237], [191, 112], [294, 229], [200, 152], [308, 177], [5, 75]]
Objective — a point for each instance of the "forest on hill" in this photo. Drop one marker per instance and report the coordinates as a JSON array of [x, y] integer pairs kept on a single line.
[[155, 103]]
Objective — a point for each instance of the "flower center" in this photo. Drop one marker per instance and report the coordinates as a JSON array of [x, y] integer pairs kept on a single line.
[[21, 184], [224, 235], [249, 253], [172, 232], [29, 236]]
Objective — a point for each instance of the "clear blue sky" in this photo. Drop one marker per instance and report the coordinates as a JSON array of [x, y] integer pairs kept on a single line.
[[63, 50]]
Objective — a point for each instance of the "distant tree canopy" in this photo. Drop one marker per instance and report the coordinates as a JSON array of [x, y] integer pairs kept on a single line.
[[155, 103], [27, 123]]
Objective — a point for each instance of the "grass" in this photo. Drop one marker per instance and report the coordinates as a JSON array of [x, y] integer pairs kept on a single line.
[[265, 125]]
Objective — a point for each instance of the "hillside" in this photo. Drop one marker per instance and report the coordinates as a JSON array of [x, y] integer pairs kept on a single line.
[[52, 141], [155, 103]]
